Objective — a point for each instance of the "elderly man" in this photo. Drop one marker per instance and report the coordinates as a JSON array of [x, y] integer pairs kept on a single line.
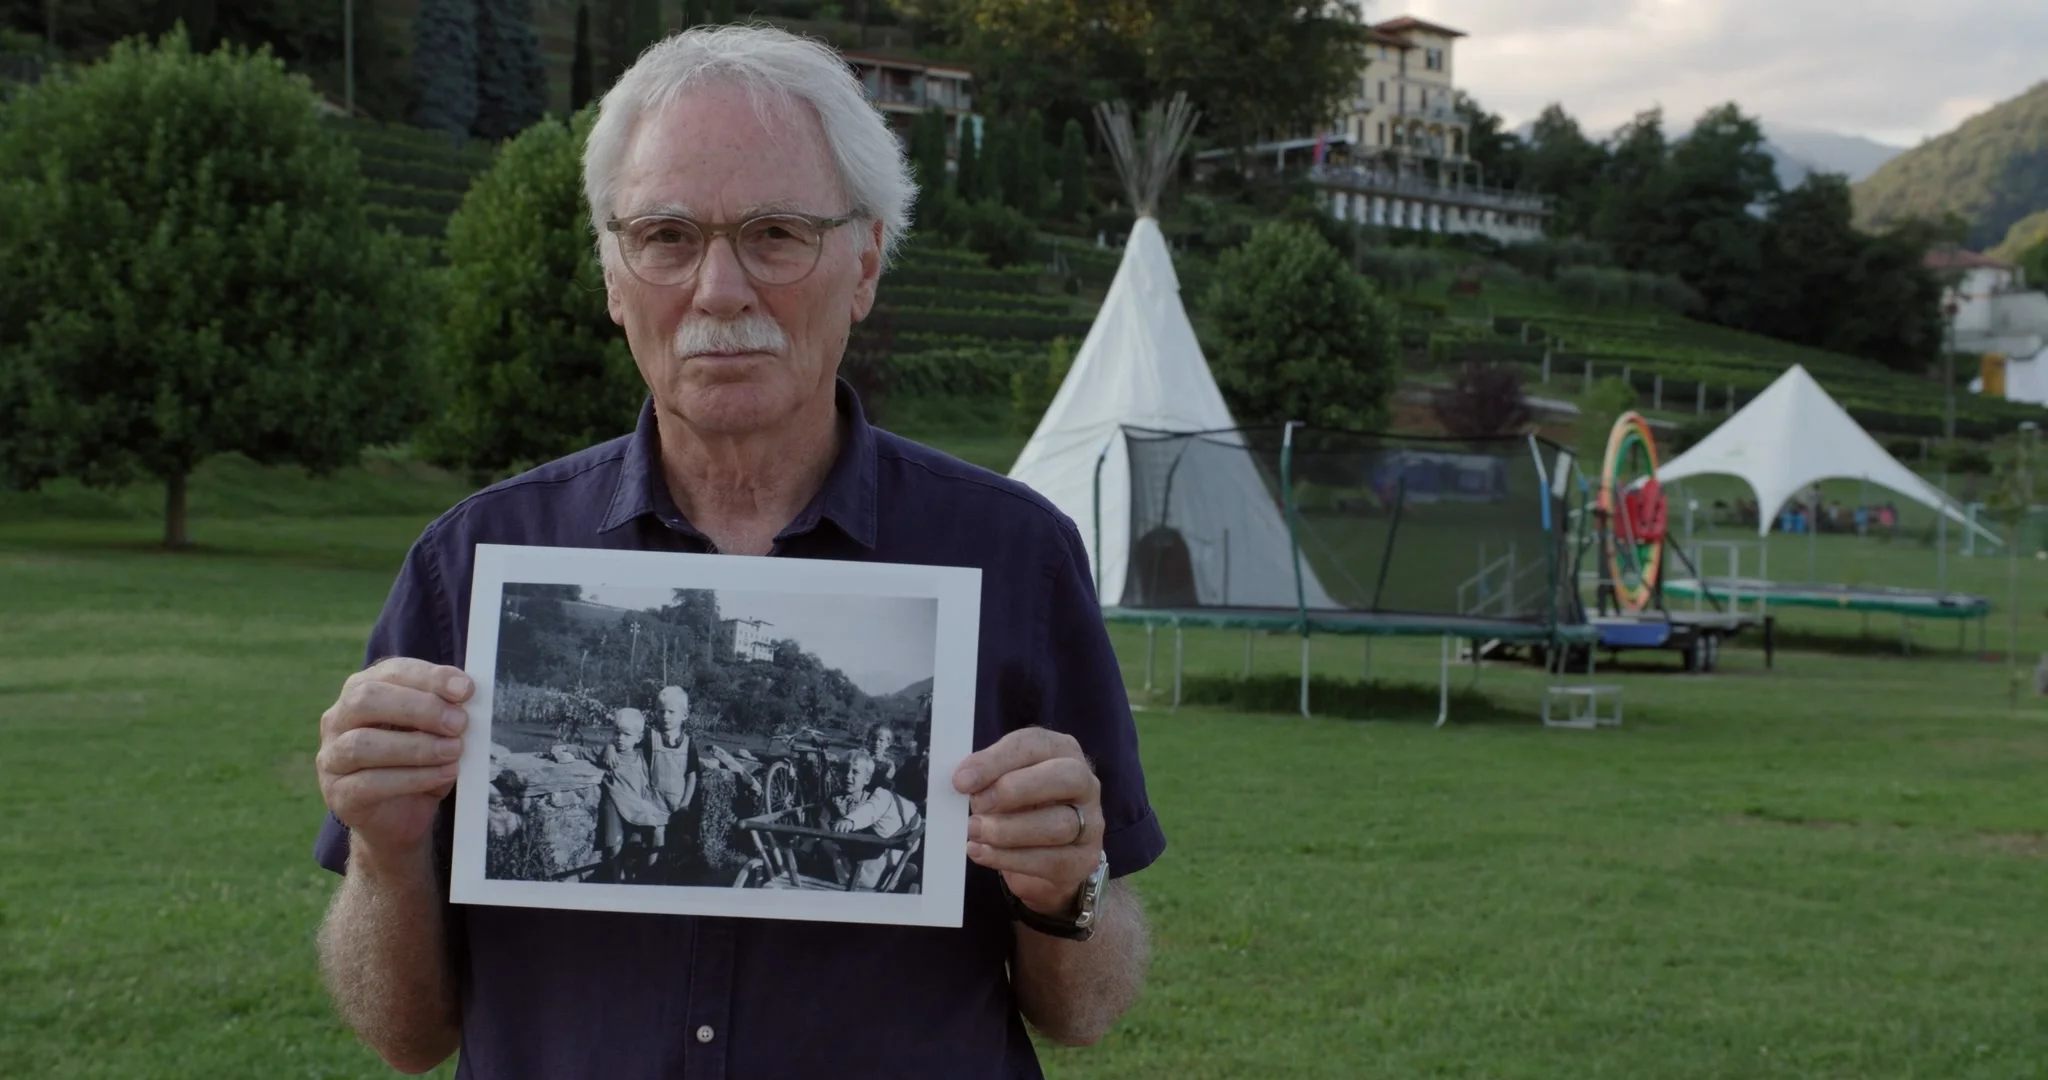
[[746, 198]]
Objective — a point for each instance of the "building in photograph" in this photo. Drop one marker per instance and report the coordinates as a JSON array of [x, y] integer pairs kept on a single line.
[[1399, 155], [747, 639]]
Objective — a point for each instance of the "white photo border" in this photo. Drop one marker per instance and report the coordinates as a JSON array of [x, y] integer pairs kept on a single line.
[[958, 593]]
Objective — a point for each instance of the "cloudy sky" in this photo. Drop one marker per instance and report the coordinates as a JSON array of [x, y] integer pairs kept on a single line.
[[1890, 70]]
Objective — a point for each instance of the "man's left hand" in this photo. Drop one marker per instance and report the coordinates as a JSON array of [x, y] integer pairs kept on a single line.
[[1025, 793]]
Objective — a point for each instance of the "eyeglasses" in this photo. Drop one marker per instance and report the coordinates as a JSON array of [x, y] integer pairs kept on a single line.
[[774, 249]]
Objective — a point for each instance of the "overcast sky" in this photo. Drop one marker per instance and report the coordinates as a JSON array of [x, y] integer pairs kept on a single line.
[[882, 643], [1890, 70]]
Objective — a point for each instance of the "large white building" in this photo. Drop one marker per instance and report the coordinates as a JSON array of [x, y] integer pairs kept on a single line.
[[1398, 155]]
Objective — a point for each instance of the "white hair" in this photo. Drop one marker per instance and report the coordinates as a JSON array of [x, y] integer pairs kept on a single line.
[[776, 68]]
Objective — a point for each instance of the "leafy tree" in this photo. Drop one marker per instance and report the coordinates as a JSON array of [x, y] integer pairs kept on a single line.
[[928, 150], [1484, 399], [445, 52], [967, 164], [1499, 153], [582, 73], [1028, 186], [1073, 171], [1629, 208], [186, 270], [1256, 66], [1813, 257], [1564, 163], [1719, 175], [512, 76], [1299, 335], [531, 363]]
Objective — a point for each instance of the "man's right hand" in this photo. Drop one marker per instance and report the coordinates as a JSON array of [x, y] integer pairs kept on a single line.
[[389, 750]]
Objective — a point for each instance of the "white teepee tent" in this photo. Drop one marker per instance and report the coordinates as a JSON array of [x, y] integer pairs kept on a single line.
[[1141, 366], [1793, 436]]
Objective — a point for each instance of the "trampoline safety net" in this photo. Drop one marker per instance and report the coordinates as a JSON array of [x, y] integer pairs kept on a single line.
[[1333, 522]]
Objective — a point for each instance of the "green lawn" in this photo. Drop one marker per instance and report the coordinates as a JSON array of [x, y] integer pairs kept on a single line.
[[1833, 869]]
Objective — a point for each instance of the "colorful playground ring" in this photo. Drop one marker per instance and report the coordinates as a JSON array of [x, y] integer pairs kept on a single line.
[[1632, 510]]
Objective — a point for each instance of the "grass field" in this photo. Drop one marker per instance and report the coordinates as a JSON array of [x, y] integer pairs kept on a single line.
[[1832, 869]]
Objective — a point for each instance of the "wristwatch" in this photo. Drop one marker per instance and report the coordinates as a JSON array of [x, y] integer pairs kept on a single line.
[[1078, 927]]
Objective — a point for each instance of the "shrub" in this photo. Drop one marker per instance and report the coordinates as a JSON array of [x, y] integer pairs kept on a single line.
[[530, 361], [1485, 399], [1299, 335], [1033, 387]]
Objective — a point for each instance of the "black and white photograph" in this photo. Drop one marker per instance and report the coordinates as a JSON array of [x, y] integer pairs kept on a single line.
[[716, 735]]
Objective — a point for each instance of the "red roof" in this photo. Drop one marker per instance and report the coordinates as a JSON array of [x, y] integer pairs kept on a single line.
[[1380, 37], [1405, 24], [1958, 259]]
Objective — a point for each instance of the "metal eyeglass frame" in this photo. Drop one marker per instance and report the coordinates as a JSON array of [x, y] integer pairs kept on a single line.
[[712, 230]]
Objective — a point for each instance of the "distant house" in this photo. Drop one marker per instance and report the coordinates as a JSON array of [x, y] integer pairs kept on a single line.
[[1398, 153], [904, 89], [1991, 308]]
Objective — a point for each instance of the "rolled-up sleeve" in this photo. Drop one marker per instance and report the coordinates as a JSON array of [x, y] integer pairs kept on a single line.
[[1085, 697], [416, 623]]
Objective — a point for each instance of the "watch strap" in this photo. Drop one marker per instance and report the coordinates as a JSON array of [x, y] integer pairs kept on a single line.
[[1077, 927]]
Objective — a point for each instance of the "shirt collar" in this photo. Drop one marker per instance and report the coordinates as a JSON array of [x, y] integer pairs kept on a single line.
[[846, 499]]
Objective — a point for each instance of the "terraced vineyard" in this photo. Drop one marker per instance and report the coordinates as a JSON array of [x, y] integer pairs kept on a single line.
[[416, 177], [1684, 367]]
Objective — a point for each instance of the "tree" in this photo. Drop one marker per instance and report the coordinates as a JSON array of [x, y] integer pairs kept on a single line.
[[1813, 258], [1255, 66], [1027, 188], [1562, 163], [967, 167], [720, 12], [582, 74], [1484, 399], [445, 62], [1300, 335], [512, 76], [1635, 186], [186, 270], [1074, 171], [1499, 154], [1721, 176], [531, 364]]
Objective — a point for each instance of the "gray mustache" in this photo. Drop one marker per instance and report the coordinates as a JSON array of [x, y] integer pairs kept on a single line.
[[749, 333]]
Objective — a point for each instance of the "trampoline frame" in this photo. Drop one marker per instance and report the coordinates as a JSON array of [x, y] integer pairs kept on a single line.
[[1551, 631]]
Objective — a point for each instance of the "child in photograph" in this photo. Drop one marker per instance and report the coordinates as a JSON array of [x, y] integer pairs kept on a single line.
[[672, 773], [877, 810], [628, 809]]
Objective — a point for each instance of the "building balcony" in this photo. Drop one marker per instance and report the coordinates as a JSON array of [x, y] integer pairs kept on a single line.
[[1439, 113], [1366, 181], [918, 98]]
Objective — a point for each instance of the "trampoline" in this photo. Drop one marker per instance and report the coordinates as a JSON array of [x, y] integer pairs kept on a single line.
[[1913, 603], [1306, 531]]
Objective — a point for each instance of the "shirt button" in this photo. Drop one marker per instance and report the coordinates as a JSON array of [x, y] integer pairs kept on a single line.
[[704, 1033]]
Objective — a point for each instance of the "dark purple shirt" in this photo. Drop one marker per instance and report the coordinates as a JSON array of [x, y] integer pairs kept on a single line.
[[565, 994]]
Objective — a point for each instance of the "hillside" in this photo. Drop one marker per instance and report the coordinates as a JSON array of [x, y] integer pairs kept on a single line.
[[2025, 234], [1993, 171]]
